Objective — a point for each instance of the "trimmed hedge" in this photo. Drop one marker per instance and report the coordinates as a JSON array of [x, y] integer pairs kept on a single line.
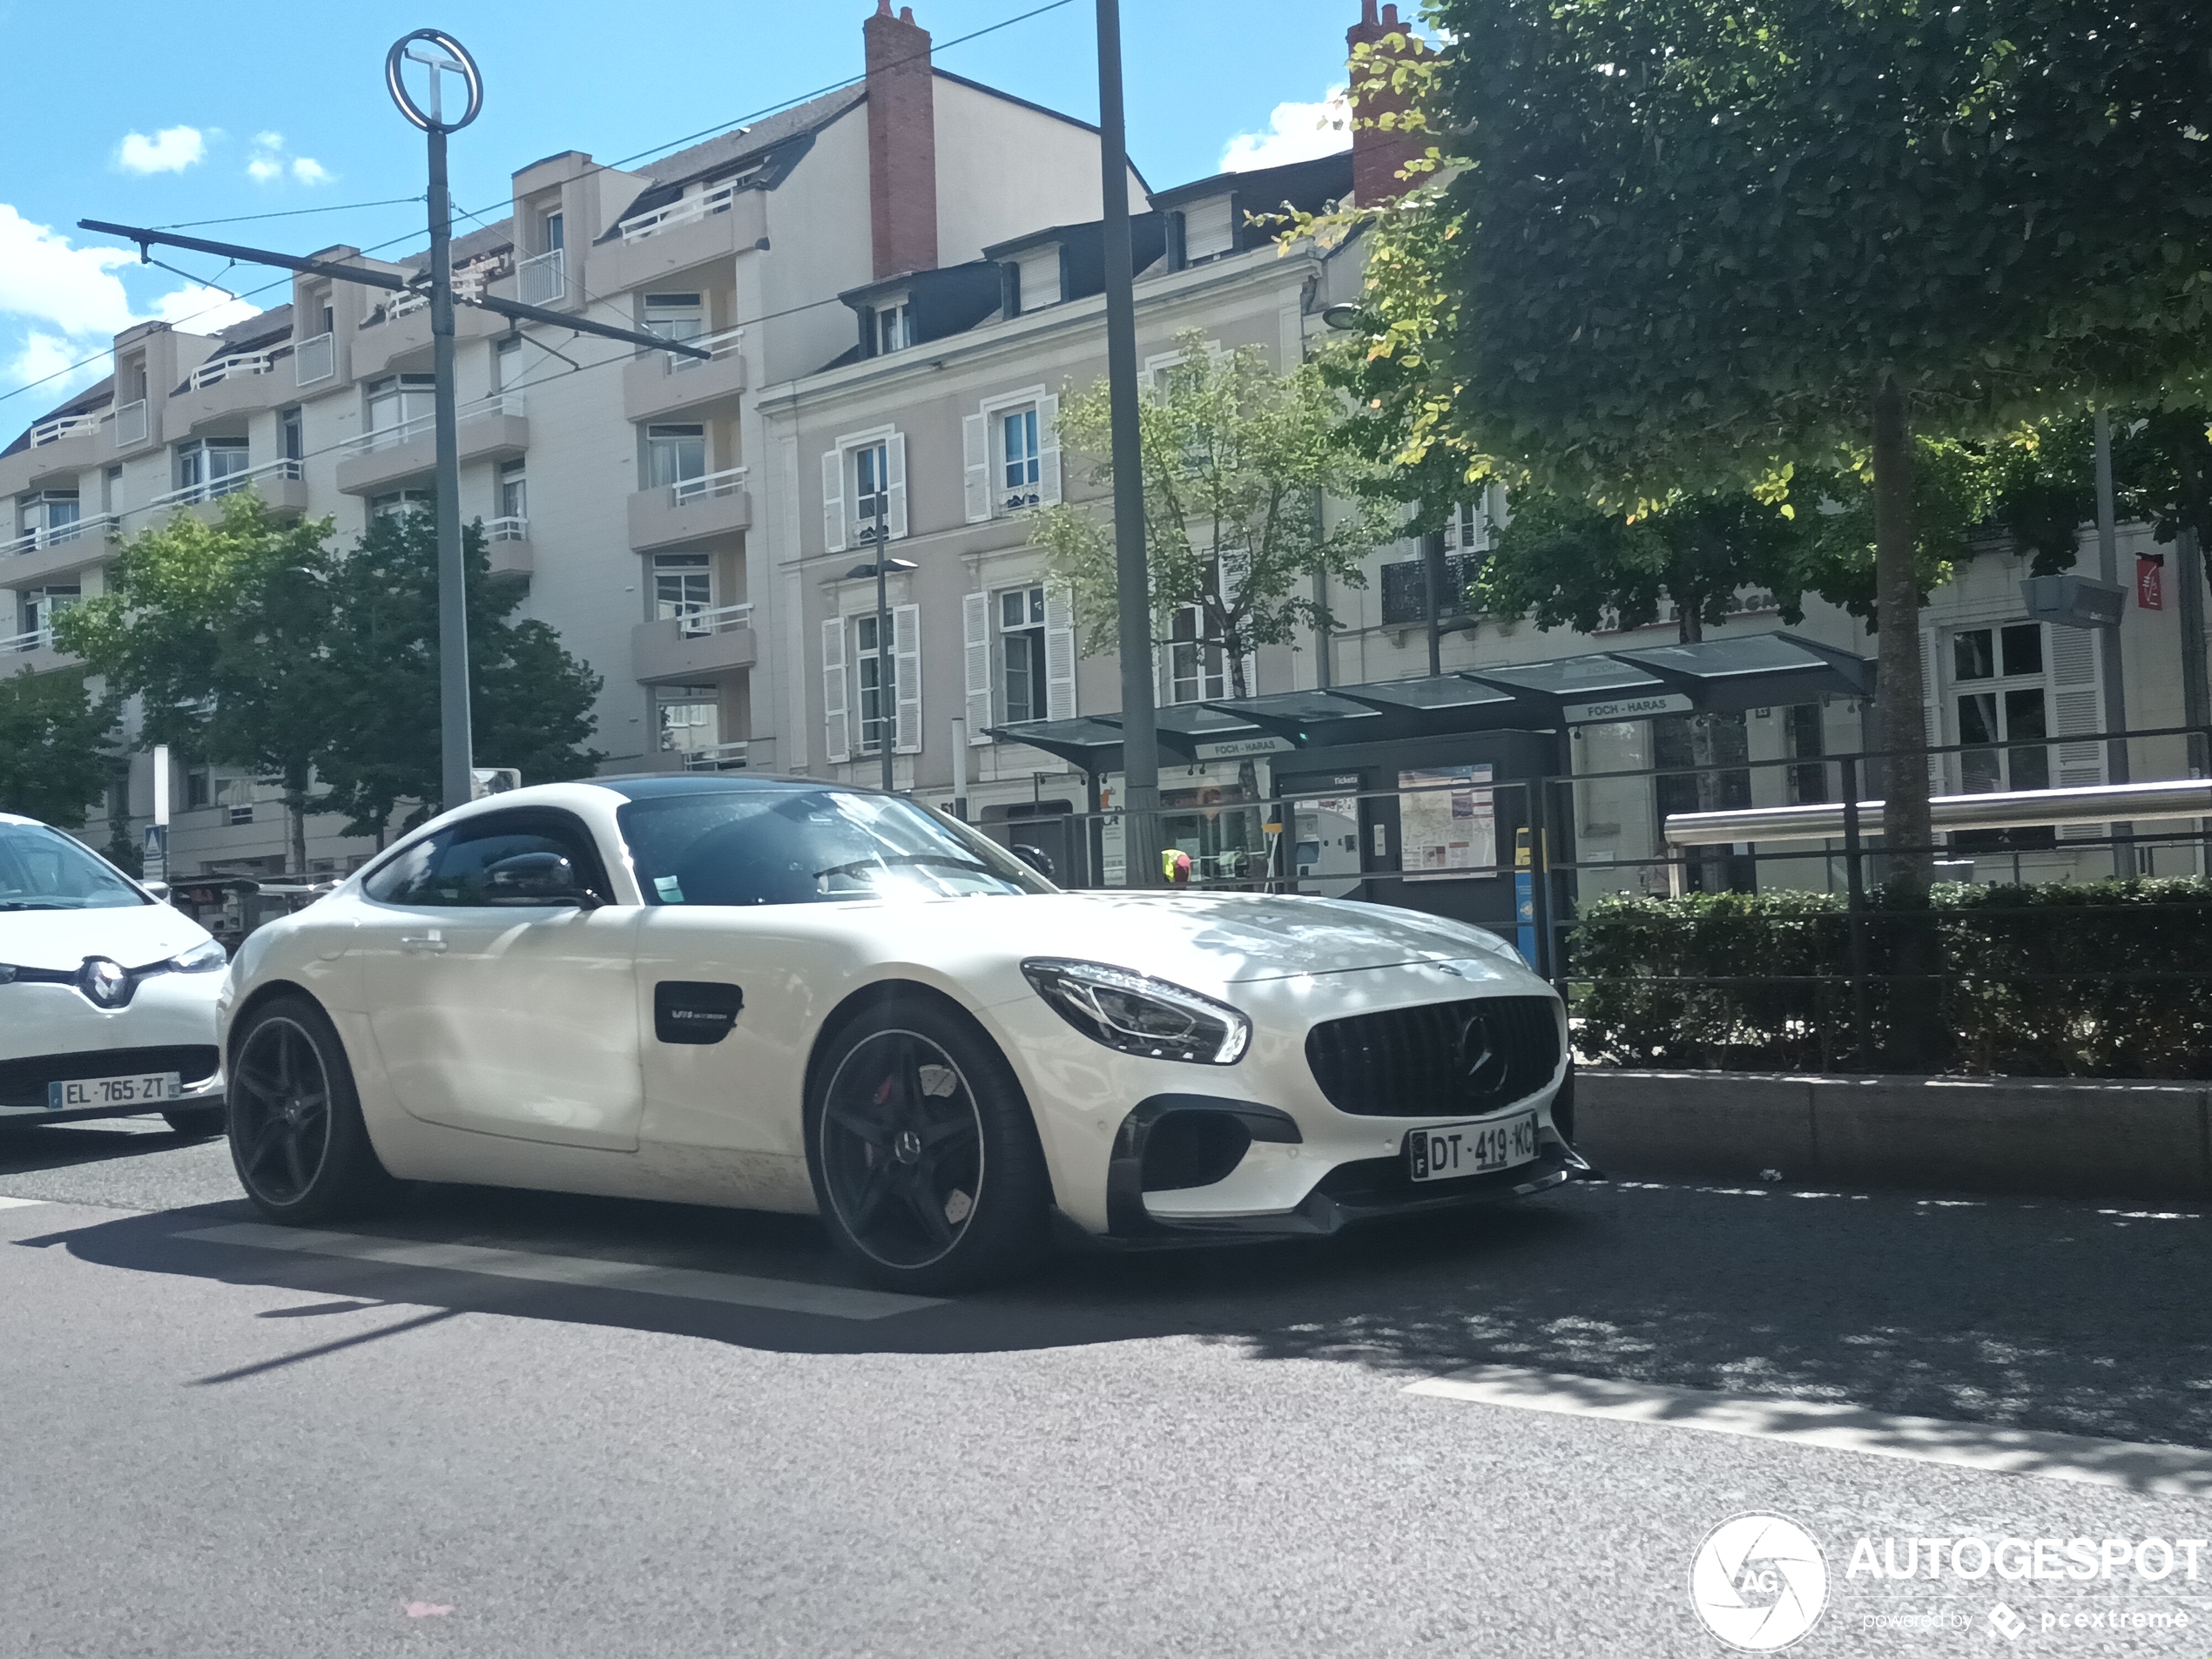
[[2095, 979]]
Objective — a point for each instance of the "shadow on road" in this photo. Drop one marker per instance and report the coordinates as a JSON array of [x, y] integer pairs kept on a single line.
[[2060, 1316]]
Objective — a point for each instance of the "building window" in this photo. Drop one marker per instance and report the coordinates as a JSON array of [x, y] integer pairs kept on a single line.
[[513, 493], [109, 480], [674, 454], [878, 683], [401, 500], [1999, 698], [690, 719], [39, 606], [556, 231], [1021, 671], [1197, 667], [48, 515], [864, 490], [397, 400], [212, 466], [675, 316], [1019, 458], [291, 434], [894, 327], [199, 787], [683, 584], [1805, 739], [506, 362], [1209, 229], [872, 491]]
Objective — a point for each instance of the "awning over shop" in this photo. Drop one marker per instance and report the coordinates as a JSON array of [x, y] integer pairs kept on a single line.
[[1633, 683]]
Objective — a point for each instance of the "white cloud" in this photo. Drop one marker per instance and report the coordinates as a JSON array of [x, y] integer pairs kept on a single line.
[[171, 150], [268, 163], [262, 169], [43, 355], [309, 171], [1295, 132], [268, 140]]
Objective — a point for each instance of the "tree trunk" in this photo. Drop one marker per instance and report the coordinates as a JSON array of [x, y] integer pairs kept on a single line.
[[1915, 989], [295, 806]]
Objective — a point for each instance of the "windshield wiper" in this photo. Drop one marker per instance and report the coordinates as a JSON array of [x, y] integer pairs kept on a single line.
[[35, 904], [857, 865]]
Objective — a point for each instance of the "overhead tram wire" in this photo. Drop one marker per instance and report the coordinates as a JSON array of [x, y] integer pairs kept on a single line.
[[288, 212], [603, 166]]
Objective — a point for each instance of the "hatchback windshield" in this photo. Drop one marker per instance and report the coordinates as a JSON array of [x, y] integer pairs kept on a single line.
[[764, 843], [43, 869]]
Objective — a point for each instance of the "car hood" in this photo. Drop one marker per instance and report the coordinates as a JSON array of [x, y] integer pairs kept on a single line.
[[1226, 938], [135, 935]]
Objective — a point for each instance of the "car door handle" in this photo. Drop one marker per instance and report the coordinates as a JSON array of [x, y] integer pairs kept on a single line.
[[422, 942]]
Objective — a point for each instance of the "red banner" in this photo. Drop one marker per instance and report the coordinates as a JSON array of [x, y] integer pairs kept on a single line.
[[2150, 582]]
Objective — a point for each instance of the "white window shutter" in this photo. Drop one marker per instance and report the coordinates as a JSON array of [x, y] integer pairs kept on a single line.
[[1048, 449], [895, 470], [906, 635], [1931, 714], [1059, 657], [975, 633], [975, 447], [2077, 710], [836, 729], [833, 500]]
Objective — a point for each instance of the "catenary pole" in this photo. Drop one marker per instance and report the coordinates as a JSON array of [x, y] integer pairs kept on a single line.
[[1140, 733], [457, 741], [2115, 684]]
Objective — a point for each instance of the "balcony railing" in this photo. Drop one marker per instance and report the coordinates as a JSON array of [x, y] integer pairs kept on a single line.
[[716, 757], [68, 426], [513, 528], [37, 639], [226, 368], [728, 482], [717, 346], [192, 495], [131, 424], [317, 359], [541, 280], [54, 536], [390, 437], [698, 624], [707, 202]]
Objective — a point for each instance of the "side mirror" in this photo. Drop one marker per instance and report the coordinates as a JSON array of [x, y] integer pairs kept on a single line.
[[1036, 857], [537, 878], [159, 889]]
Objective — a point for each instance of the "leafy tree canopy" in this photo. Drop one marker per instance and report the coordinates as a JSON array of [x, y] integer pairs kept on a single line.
[[52, 735]]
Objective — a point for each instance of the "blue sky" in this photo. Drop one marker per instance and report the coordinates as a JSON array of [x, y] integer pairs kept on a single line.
[[136, 120]]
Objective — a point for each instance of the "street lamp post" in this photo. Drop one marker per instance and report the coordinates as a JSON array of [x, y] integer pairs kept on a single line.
[[443, 55], [887, 718]]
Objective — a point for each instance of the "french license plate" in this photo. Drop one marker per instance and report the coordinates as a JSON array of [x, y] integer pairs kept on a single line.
[[1471, 1149], [146, 1089]]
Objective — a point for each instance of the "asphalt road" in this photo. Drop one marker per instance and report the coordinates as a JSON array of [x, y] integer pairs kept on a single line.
[[220, 1448]]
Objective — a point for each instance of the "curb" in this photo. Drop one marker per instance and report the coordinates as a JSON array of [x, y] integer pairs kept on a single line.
[[2059, 1139]]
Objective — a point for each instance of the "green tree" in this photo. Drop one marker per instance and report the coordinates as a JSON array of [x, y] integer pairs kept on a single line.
[[219, 630], [1236, 460], [530, 701], [54, 762]]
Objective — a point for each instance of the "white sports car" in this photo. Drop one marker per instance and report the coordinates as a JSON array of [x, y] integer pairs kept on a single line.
[[107, 995], [784, 994]]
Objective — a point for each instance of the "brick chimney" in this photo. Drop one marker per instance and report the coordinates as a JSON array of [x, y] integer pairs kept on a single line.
[[902, 142], [1378, 156]]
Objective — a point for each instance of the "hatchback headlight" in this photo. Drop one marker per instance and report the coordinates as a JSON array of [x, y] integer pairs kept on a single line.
[[203, 958], [1138, 1015]]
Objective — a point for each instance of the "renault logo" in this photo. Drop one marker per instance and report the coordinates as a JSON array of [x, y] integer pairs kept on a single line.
[[106, 984], [1480, 1058]]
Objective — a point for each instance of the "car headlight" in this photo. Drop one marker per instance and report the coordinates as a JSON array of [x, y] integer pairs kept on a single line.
[[1138, 1015], [206, 957]]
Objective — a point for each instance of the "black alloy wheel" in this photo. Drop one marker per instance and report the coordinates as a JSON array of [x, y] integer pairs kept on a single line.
[[926, 1160], [297, 1138]]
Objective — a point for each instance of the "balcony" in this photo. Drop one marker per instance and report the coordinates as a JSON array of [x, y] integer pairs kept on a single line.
[[696, 647], [724, 220], [33, 653], [280, 483], [35, 558], [543, 280], [397, 334], [134, 427], [507, 544], [315, 361], [661, 383], [229, 386], [715, 504], [493, 429], [58, 451]]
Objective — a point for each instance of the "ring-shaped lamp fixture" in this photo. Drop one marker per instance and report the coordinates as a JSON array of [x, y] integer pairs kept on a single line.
[[433, 121]]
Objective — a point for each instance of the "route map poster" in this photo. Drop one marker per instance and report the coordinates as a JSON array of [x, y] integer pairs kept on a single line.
[[1448, 822]]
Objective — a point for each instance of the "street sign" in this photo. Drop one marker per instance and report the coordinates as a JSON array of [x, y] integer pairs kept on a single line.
[[154, 856]]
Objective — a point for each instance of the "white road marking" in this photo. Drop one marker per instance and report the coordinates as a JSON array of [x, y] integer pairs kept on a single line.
[[2173, 1471], [787, 1295], [19, 1204]]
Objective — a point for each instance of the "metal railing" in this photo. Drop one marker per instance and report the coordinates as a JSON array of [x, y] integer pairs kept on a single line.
[[37, 639], [706, 486], [131, 424], [316, 359], [637, 227], [717, 346], [54, 536], [718, 757], [67, 427], [513, 528], [233, 367], [698, 624], [542, 280], [389, 437], [230, 484]]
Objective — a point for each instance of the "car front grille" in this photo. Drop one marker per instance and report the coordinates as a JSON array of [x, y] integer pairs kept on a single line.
[[1440, 1059], [23, 1082]]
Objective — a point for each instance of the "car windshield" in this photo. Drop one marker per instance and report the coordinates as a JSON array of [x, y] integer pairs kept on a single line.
[[765, 844], [43, 869]]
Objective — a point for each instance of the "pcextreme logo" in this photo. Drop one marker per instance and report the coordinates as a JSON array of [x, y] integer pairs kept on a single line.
[[1759, 1582]]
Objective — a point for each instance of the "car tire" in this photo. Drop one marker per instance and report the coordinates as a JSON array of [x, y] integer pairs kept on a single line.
[[924, 1154], [201, 1123], [298, 1142]]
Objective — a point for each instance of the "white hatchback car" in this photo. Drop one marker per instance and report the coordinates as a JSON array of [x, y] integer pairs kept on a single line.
[[786, 994], [107, 995]]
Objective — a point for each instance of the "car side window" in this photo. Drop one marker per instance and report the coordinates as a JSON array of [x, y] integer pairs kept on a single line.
[[448, 869]]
